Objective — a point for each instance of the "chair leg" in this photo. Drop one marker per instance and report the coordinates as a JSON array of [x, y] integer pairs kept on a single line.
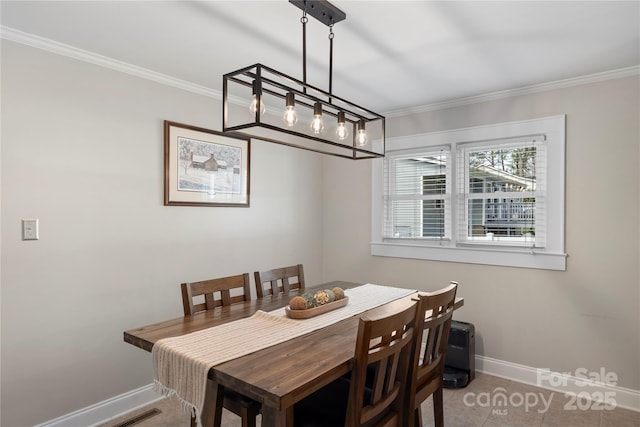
[[438, 407], [417, 417]]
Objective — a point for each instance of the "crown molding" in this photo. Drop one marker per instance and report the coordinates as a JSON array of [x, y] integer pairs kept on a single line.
[[543, 87], [52, 46], [43, 43]]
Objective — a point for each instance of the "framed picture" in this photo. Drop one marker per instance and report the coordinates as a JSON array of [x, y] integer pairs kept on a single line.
[[204, 167]]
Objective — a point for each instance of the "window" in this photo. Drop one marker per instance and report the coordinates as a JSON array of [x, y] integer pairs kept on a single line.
[[418, 199], [476, 195], [502, 190]]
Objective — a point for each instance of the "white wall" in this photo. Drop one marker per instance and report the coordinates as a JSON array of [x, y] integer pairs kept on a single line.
[[587, 317], [82, 151]]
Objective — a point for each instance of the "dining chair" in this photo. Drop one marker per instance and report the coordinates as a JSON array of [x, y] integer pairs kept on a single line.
[[219, 292], [433, 322], [278, 280], [373, 396], [215, 293]]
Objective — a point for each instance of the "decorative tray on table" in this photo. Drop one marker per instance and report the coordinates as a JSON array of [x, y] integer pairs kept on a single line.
[[306, 305]]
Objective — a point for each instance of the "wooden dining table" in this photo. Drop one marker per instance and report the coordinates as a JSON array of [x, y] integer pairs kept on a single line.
[[280, 375]]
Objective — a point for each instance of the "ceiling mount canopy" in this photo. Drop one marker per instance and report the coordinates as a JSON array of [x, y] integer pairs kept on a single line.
[[323, 11], [263, 103]]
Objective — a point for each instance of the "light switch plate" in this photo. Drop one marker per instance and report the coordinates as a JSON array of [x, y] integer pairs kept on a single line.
[[29, 229]]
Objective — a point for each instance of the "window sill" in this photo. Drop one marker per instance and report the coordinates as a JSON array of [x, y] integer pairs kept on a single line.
[[488, 256]]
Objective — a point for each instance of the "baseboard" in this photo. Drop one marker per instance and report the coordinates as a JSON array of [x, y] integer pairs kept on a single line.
[[624, 398], [107, 410], [579, 384]]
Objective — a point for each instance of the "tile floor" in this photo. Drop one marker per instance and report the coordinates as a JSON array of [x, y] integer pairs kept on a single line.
[[477, 405]]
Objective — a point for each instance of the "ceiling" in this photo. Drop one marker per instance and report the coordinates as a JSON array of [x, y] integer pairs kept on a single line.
[[389, 56]]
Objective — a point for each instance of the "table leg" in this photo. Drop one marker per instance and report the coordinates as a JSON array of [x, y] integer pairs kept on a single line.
[[213, 399], [272, 417]]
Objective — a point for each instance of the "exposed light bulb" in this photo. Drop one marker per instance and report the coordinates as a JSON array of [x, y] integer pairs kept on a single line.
[[253, 107], [361, 137], [316, 124], [341, 131], [290, 116]]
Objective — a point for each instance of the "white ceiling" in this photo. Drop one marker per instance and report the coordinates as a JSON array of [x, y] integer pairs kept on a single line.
[[388, 55]]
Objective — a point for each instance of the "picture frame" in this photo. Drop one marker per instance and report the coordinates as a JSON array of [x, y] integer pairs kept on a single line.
[[204, 167]]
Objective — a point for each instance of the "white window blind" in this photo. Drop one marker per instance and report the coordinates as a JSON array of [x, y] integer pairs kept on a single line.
[[417, 201], [501, 192]]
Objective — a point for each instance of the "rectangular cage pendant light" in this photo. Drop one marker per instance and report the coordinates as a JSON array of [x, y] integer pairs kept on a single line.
[[263, 103], [255, 103]]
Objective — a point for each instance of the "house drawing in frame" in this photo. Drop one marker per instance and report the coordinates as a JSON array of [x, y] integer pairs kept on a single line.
[[208, 167], [205, 167]]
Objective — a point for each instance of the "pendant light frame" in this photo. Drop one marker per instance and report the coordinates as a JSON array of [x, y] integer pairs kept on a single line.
[[239, 87]]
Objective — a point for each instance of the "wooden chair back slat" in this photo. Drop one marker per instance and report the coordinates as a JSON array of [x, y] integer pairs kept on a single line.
[[279, 280]]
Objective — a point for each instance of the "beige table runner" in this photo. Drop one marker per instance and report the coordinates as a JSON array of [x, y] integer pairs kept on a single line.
[[181, 364]]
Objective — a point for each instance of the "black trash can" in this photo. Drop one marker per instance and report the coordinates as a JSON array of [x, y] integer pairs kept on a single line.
[[459, 365]]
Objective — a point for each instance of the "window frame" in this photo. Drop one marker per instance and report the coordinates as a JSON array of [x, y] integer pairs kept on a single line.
[[551, 257]]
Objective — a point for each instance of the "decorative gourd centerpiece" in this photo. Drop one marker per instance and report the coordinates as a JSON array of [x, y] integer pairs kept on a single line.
[[309, 305]]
